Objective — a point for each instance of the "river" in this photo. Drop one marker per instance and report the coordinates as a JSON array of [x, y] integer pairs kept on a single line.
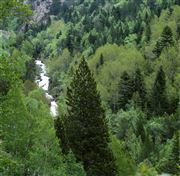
[[43, 82]]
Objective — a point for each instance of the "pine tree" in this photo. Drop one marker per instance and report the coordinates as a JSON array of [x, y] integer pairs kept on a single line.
[[86, 128], [159, 101], [125, 90]]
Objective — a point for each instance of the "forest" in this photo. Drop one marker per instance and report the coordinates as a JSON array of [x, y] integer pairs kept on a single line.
[[90, 88]]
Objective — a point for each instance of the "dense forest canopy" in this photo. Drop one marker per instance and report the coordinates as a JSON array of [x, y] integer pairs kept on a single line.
[[112, 73]]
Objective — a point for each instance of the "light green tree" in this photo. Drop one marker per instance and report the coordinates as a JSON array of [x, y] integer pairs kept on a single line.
[[9, 8]]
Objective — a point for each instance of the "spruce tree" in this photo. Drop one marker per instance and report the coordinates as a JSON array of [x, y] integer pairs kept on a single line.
[[125, 90], [139, 86], [86, 128], [165, 41], [167, 37], [159, 101]]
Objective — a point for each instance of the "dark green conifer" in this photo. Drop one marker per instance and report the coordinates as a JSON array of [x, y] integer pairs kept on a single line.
[[165, 41], [101, 59], [148, 33], [4, 87], [59, 125], [125, 90], [159, 101], [86, 128], [139, 86], [167, 37], [158, 48]]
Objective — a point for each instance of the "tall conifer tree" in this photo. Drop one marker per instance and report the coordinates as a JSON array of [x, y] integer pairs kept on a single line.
[[166, 40], [125, 90], [86, 128], [139, 86], [167, 37], [159, 101]]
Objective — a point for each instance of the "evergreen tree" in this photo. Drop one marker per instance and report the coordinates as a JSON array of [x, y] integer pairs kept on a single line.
[[61, 134], [167, 37], [86, 128], [158, 48], [159, 100], [101, 59], [165, 41], [139, 86], [125, 90], [30, 70], [174, 161], [148, 33]]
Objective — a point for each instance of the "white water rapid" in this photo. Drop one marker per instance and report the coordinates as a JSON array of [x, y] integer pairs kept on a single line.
[[43, 82]]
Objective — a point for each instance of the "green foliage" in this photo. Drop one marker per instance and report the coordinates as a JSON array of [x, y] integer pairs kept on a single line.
[[146, 169], [174, 160], [13, 8], [8, 166], [125, 164], [134, 36], [116, 61], [128, 126], [169, 156], [11, 130]]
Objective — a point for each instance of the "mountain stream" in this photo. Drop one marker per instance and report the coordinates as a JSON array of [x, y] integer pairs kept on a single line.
[[43, 82]]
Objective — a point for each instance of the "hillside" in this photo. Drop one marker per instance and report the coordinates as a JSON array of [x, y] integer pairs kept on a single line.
[[90, 87]]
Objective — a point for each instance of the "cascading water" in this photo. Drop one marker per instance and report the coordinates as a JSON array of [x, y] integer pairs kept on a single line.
[[43, 82]]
